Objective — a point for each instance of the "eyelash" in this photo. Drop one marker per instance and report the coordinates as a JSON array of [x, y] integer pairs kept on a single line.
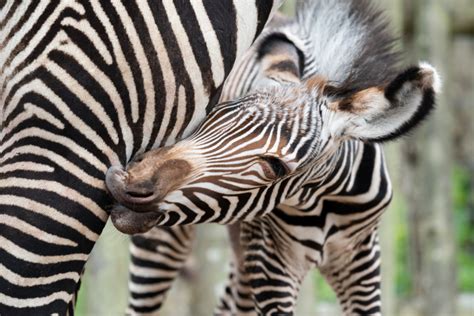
[[277, 166]]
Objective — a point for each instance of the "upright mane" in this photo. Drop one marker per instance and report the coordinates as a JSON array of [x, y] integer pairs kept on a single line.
[[351, 43]]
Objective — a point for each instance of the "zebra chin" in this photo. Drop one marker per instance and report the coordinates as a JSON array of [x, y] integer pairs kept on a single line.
[[130, 222]]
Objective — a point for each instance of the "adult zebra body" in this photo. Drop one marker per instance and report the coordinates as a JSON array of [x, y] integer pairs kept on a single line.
[[88, 84], [290, 163]]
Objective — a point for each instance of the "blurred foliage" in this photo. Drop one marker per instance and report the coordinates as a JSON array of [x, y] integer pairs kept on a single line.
[[403, 280], [464, 230], [323, 290]]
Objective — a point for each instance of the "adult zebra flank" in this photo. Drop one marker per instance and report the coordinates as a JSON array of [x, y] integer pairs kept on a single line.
[[85, 85], [298, 164]]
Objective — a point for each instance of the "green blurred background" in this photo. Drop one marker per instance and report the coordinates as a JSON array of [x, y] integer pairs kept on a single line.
[[427, 235]]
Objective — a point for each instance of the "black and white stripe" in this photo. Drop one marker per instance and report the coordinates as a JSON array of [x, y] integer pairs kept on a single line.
[[289, 162], [85, 85]]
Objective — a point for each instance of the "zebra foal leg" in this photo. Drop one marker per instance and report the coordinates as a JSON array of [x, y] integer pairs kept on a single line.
[[236, 299], [356, 280], [157, 257], [274, 267]]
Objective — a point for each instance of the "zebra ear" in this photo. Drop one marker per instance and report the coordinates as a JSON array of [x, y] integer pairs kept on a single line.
[[384, 113]]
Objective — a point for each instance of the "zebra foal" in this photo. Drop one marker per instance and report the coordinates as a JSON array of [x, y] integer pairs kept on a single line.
[[85, 85], [158, 255], [298, 164]]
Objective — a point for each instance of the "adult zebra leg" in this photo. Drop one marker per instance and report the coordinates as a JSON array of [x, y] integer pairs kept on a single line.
[[357, 281], [73, 303], [157, 257]]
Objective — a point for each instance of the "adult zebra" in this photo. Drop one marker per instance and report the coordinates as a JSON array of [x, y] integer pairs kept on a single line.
[[84, 85], [298, 163]]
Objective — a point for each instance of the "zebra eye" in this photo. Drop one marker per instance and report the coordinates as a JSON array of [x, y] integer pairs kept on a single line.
[[274, 167]]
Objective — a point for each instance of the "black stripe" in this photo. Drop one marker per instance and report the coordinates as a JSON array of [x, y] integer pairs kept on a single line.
[[20, 23], [264, 8], [131, 58], [54, 28], [223, 18], [197, 41], [181, 75]]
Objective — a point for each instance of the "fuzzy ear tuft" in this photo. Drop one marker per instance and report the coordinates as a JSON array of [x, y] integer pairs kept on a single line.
[[431, 76], [379, 114]]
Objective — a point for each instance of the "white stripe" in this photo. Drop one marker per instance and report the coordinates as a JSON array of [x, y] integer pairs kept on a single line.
[[212, 43], [65, 164], [34, 302], [49, 212], [192, 68], [18, 36], [30, 111], [19, 280], [145, 71], [150, 272], [247, 19], [180, 114], [153, 256], [34, 231], [144, 302], [20, 74], [58, 188], [34, 110], [122, 63], [85, 27], [88, 100], [26, 166], [37, 38], [28, 256], [110, 89], [80, 151], [17, 15], [5, 10], [40, 88], [169, 80], [145, 288]]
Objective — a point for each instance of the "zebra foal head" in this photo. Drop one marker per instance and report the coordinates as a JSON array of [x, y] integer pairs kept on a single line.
[[250, 154]]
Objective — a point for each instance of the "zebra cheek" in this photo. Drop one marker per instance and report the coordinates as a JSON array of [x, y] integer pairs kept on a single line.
[[171, 175]]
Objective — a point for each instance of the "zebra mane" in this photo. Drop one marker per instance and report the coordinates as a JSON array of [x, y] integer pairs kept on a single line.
[[350, 43]]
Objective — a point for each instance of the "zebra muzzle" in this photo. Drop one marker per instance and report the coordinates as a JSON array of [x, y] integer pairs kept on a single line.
[[134, 196]]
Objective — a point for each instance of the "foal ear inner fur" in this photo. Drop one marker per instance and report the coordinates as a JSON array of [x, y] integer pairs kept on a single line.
[[384, 113], [362, 101]]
